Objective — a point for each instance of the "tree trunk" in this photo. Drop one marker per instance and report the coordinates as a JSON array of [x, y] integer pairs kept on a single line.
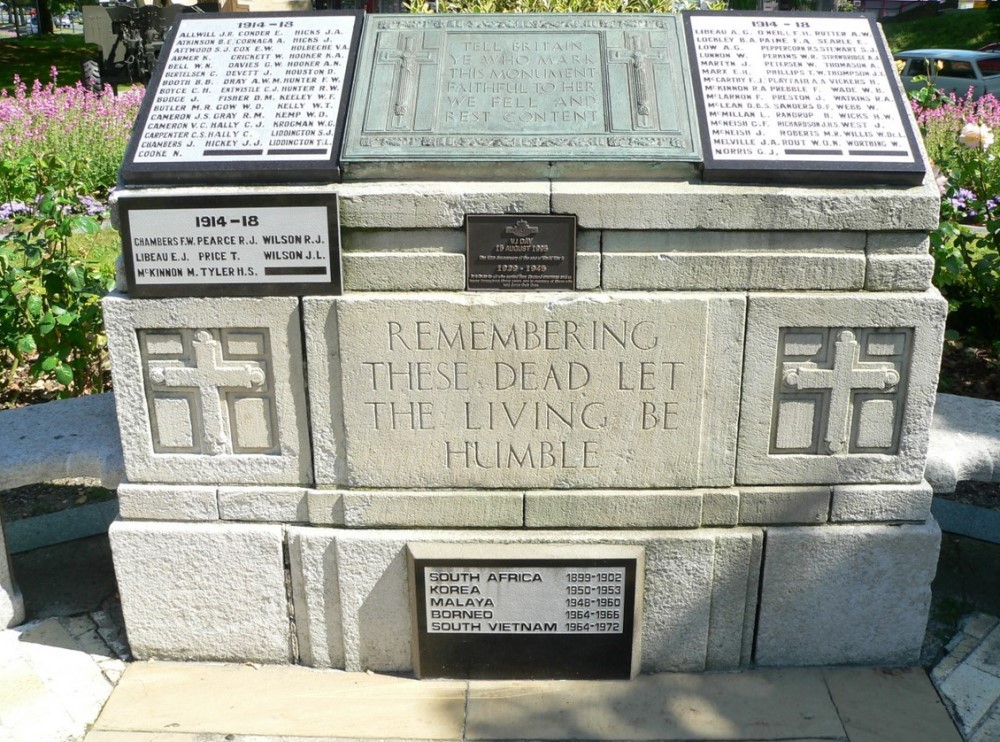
[[44, 18]]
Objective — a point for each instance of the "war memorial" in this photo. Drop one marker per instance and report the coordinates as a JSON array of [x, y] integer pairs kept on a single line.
[[517, 346]]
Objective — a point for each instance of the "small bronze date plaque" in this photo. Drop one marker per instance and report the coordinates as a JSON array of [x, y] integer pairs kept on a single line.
[[520, 252]]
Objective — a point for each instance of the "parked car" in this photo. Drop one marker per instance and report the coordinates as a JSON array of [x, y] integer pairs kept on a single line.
[[952, 70]]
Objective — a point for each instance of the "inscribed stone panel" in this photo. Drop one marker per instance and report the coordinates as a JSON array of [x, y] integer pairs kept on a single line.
[[492, 391]]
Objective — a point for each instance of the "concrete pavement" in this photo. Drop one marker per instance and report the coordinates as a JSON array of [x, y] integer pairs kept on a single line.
[[198, 702]]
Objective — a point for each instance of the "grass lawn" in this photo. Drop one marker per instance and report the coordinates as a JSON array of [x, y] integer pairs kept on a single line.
[[32, 56], [959, 29]]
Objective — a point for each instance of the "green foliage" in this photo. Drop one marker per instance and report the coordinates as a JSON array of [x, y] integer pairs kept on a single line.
[[964, 29], [556, 6], [50, 310], [960, 140]]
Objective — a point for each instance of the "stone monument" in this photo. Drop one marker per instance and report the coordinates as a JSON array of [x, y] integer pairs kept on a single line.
[[560, 368]]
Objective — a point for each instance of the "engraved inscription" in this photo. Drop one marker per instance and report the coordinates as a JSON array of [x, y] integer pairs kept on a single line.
[[840, 390], [523, 600], [214, 386], [525, 393], [590, 87]]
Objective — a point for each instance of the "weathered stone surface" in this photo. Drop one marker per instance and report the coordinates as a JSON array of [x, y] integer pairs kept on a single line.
[[688, 205], [963, 442], [588, 260], [739, 241], [326, 507], [838, 388], [11, 601], [436, 204], [75, 437], [735, 579], [846, 595], [673, 271], [406, 241], [312, 557], [394, 271], [433, 509], [352, 583], [881, 502], [899, 272], [209, 591], [267, 504], [209, 391], [571, 405], [612, 509], [165, 502], [720, 508], [784, 505], [897, 243]]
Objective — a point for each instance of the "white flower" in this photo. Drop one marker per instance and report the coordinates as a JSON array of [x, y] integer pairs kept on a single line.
[[976, 136]]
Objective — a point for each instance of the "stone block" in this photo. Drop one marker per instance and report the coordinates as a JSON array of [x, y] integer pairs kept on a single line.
[[735, 579], [897, 243], [312, 557], [612, 509], [881, 502], [720, 508], [265, 504], [406, 241], [637, 205], [394, 271], [165, 502], [325, 507], [899, 272], [740, 241], [433, 509], [677, 271], [212, 591], [851, 594], [436, 204], [11, 600], [209, 391], [353, 584], [838, 389], [560, 390], [784, 505], [963, 442], [588, 260]]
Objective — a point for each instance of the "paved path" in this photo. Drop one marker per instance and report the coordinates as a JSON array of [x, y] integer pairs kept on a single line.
[[198, 702]]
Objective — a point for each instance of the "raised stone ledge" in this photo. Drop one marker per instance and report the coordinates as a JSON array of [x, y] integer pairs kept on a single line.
[[964, 442]]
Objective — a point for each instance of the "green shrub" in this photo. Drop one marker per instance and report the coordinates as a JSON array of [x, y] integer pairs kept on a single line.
[[50, 310]]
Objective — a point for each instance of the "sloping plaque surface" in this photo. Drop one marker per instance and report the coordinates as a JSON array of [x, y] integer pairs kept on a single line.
[[240, 98], [799, 98], [532, 88]]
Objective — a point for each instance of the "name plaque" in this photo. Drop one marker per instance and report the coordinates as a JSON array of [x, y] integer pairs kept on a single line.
[[515, 89], [520, 252], [524, 611], [242, 98], [240, 245], [799, 98]]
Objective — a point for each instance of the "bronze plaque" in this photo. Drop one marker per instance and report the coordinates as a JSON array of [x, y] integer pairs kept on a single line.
[[520, 252]]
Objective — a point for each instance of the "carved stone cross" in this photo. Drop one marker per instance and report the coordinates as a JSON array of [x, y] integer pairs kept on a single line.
[[406, 58], [210, 373], [640, 56], [847, 375]]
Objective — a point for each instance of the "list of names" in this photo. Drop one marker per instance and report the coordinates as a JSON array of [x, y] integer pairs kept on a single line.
[[249, 89], [797, 88]]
